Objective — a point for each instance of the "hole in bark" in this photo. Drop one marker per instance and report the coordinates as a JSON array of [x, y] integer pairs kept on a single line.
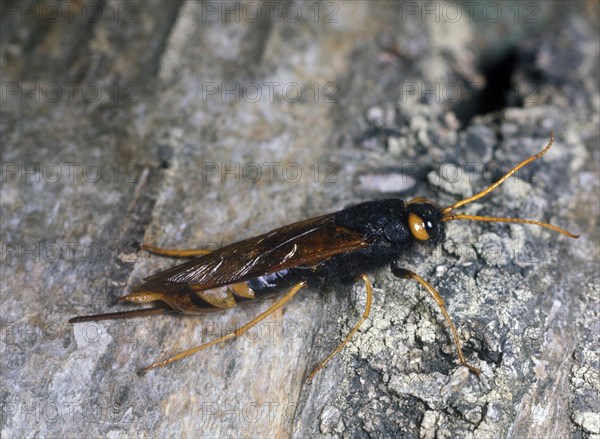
[[496, 94]]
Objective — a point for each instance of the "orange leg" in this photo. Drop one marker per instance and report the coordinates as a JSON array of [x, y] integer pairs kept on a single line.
[[369, 289], [174, 253], [406, 274], [277, 305]]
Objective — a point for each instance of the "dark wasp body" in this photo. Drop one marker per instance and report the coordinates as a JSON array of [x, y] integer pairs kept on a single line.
[[382, 226]]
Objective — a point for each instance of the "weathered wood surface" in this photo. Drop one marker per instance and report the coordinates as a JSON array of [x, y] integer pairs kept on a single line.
[[379, 86]]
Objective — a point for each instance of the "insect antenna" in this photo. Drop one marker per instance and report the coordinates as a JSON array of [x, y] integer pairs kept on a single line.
[[448, 216]]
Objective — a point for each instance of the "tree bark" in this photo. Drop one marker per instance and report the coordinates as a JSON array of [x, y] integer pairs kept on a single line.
[[197, 124]]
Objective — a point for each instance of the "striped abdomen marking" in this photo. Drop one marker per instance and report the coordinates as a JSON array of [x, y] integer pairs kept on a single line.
[[195, 302], [190, 301]]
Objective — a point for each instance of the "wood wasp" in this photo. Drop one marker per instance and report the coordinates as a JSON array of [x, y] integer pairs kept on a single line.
[[339, 247]]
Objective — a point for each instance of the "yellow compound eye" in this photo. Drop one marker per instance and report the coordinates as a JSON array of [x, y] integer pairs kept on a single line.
[[417, 227]]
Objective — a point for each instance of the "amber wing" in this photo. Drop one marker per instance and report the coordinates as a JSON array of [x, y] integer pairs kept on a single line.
[[304, 243]]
